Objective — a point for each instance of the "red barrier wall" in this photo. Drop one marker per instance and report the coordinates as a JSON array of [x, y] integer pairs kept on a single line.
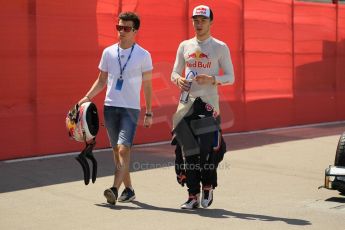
[[268, 61], [288, 58]]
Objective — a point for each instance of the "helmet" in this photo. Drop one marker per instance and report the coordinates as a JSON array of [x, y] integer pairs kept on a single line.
[[82, 122]]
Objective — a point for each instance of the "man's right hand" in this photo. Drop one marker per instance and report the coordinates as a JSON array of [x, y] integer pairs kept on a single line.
[[183, 84]]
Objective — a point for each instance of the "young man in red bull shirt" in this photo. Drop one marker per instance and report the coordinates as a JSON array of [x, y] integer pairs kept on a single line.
[[203, 56]]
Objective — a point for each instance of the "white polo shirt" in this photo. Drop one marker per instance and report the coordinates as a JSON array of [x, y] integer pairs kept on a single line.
[[140, 62]]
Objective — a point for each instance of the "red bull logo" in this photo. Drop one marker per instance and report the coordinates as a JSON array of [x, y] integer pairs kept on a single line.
[[199, 64], [201, 11], [196, 61], [197, 55], [202, 55], [193, 55]]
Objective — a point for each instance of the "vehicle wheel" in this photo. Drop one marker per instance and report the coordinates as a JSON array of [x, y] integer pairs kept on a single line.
[[339, 183], [340, 153]]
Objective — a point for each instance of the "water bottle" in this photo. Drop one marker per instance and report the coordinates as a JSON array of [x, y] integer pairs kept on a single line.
[[185, 94]]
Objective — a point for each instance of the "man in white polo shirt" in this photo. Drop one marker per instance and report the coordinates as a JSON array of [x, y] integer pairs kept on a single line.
[[124, 67], [201, 59]]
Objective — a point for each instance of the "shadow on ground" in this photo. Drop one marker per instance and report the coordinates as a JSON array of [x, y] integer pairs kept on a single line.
[[337, 199], [42, 172], [211, 213]]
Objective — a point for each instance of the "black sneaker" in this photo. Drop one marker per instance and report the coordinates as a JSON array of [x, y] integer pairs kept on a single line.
[[127, 195], [192, 202], [111, 195]]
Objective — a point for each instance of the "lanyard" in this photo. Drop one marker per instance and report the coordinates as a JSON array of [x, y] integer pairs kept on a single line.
[[118, 58]]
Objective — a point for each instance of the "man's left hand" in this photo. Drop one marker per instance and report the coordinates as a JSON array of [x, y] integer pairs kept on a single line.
[[203, 79]]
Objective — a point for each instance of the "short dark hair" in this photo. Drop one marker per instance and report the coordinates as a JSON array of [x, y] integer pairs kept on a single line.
[[211, 15], [130, 16]]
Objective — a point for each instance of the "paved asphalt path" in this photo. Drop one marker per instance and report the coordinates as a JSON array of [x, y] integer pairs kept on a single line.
[[268, 180]]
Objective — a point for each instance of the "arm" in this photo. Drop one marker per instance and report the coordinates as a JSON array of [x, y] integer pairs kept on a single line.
[[228, 69], [96, 88], [179, 65], [147, 86]]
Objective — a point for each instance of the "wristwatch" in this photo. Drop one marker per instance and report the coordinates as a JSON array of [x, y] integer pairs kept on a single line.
[[148, 114]]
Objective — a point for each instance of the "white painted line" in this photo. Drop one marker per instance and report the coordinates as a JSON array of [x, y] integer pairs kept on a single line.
[[287, 128]]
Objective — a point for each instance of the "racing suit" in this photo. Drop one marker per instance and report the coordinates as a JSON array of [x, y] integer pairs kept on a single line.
[[201, 57]]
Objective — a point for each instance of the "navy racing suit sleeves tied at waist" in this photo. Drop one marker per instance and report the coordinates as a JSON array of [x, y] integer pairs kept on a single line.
[[198, 120], [198, 133]]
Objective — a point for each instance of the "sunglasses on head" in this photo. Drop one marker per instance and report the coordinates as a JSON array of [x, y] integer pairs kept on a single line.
[[124, 28]]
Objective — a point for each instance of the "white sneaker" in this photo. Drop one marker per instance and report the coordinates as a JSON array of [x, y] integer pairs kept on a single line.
[[127, 195], [192, 202], [207, 196]]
